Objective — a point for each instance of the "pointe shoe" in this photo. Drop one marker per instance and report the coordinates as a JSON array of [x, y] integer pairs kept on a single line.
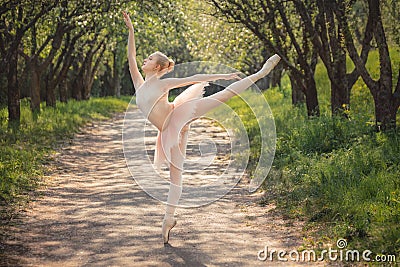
[[270, 64], [166, 228]]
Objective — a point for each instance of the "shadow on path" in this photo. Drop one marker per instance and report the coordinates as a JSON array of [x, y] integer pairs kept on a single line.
[[93, 214]]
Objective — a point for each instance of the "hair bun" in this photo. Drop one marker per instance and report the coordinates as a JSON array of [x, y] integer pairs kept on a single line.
[[171, 65], [164, 61]]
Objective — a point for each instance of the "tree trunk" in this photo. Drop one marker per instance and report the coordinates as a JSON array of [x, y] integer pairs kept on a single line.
[[35, 86], [385, 109], [311, 97], [263, 83], [340, 91], [385, 101], [50, 89], [306, 84], [117, 86], [298, 96], [116, 78], [334, 54], [86, 89], [327, 39], [37, 67], [77, 89], [76, 85], [90, 71], [58, 72], [19, 25], [63, 89], [14, 112], [85, 79], [276, 76]]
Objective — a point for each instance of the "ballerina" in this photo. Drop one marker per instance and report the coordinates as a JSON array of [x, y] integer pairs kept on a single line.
[[172, 119]]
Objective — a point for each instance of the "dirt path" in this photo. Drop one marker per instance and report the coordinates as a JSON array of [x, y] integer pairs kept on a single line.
[[94, 214]]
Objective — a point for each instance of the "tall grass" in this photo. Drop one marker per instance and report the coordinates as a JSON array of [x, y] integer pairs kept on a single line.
[[338, 174], [23, 152]]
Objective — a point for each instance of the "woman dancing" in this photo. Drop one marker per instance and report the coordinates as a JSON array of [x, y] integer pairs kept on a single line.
[[172, 119]]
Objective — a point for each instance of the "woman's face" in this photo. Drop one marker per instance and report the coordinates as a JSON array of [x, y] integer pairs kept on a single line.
[[150, 63]]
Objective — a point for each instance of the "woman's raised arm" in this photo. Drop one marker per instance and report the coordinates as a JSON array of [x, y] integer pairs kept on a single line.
[[135, 74]]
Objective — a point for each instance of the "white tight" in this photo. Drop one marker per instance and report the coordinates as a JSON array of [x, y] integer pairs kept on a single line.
[[177, 158]]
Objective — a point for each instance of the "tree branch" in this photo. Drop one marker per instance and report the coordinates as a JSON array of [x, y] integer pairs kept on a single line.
[[379, 33], [45, 43], [54, 47], [319, 40], [358, 62], [44, 10], [24, 55], [302, 60], [368, 35], [254, 27]]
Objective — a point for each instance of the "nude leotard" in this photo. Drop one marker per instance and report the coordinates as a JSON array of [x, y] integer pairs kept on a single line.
[[154, 104]]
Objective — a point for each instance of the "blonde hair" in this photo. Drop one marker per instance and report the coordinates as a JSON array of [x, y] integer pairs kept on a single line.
[[164, 61]]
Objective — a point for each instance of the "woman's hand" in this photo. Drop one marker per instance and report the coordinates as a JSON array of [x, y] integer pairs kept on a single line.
[[127, 20], [231, 76]]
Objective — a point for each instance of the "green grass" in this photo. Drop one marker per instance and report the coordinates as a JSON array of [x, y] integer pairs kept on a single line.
[[24, 152], [338, 174]]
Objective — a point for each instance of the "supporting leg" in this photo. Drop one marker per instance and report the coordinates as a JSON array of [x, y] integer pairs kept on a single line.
[[169, 221], [177, 157]]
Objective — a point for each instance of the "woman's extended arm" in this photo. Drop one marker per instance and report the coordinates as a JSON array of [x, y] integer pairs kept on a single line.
[[171, 83], [135, 74]]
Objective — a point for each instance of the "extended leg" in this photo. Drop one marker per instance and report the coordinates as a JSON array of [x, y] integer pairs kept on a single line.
[[206, 104]]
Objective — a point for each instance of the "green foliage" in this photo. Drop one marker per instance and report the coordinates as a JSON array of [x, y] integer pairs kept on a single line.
[[227, 43], [333, 171], [23, 152], [160, 26]]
